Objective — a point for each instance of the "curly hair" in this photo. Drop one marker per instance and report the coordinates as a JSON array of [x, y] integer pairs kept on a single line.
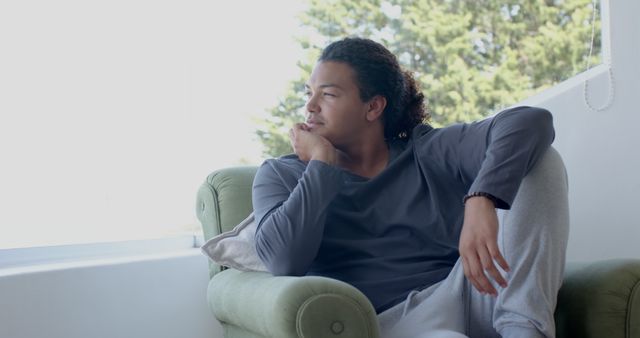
[[378, 72]]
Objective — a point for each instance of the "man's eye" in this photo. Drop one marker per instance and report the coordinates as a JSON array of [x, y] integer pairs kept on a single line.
[[328, 94]]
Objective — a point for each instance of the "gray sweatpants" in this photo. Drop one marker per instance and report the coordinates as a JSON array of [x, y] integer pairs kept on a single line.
[[533, 239]]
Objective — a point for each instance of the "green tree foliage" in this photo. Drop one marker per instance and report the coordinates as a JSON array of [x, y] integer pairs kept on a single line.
[[472, 57]]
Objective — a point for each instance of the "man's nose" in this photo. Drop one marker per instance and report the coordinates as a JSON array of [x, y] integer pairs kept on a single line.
[[312, 105]]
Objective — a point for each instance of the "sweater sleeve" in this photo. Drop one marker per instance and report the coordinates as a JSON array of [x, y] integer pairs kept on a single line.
[[493, 155], [291, 215]]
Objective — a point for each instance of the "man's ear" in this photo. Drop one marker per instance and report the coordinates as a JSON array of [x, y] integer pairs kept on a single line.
[[375, 107]]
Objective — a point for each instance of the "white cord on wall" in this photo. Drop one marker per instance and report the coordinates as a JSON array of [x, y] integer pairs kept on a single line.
[[611, 93]]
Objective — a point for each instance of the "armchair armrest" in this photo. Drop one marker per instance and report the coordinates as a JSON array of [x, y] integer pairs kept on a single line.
[[290, 306], [600, 299]]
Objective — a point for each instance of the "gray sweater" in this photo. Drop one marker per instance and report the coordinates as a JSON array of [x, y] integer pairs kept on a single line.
[[398, 231]]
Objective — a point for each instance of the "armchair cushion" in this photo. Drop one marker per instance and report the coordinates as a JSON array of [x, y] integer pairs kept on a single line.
[[600, 299], [223, 201], [236, 248]]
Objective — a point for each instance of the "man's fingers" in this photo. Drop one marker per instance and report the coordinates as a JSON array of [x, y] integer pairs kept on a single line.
[[495, 274], [486, 264], [497, 256], [301, 126], [476, 275], [467, 272], [293, 132], [490, 268]]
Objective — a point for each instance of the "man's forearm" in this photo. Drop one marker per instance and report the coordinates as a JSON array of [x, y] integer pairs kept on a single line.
[[517, 139], [289, 236]]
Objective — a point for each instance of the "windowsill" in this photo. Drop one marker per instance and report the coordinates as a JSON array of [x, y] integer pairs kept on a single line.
[[38, 259]]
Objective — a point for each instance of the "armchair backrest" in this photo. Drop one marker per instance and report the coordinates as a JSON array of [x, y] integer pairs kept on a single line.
[[223, 201]]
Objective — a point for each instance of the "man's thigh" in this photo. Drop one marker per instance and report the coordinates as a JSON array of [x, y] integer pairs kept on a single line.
[[449, 308]]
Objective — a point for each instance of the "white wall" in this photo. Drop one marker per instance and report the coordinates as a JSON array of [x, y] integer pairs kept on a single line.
[[159, 296], [601, 149]]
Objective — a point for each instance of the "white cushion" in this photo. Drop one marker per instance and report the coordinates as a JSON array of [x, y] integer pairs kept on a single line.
[[236, 248]]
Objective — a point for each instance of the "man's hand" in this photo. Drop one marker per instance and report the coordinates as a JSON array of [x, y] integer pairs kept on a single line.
[[479, 247], [309, 146]]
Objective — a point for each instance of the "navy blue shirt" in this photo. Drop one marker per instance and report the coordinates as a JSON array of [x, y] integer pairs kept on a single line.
[[398, 231]]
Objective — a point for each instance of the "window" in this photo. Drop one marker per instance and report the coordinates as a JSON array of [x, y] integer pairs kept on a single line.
[[113, 113]]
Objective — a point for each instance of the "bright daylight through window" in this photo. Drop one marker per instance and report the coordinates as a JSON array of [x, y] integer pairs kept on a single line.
[[113, 114]]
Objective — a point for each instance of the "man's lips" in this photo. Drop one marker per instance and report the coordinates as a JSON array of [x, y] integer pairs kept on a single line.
[[313, 123]]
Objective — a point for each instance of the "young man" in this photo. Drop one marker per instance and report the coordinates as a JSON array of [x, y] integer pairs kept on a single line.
[[407, 213]]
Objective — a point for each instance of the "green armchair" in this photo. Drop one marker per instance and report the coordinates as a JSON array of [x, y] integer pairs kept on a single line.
[[597, 300]]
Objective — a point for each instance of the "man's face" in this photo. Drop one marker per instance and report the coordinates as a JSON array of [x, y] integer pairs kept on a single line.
[[334, 108]]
